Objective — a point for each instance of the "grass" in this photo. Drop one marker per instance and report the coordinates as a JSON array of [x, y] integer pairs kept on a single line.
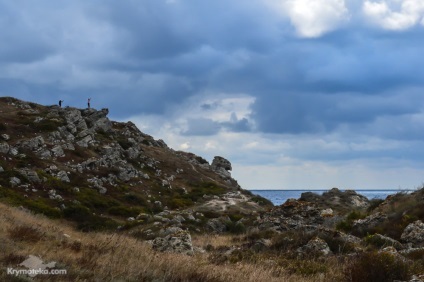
[[106, 257]]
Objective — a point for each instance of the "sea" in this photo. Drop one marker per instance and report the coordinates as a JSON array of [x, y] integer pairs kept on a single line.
[[278, 197]]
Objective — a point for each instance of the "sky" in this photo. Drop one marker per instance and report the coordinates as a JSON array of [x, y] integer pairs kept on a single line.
[[296, 94]]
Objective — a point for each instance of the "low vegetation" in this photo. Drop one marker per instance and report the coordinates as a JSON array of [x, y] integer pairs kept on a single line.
[[105, 256]]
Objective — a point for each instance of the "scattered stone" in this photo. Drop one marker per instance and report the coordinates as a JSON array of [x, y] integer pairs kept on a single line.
[[4, 147], [327, 212], [58, 151], [63, 176], [31, 175], [14, 181]]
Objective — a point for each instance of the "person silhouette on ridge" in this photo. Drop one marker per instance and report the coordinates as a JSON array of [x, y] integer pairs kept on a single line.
[[88, 102], [60, 103]]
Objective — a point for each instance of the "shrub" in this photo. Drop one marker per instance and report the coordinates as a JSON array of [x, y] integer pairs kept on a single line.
[[346, 225], [97, 223], [42, 206], [376, 267], [374, 203], [76, 212], [291, 240], [176, 203], [235, 227], [261, 201], [13, 259], [307, 267], [337, 244], [257, 234], [124, 211], [25, 233]]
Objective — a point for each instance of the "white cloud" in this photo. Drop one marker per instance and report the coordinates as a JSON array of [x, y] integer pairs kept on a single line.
[[394, 14], [321, 175], [313, 18]]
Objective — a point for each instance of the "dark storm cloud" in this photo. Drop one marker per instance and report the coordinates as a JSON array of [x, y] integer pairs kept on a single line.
[[147, 57], [20, 41]]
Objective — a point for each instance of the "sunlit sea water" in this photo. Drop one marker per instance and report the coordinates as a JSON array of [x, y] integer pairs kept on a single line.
[[278, 197]]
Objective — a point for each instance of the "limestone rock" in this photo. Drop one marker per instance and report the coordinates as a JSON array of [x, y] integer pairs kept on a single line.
[[336, 199], [414, 233], [292, 215], [83, 142], [222, 166], [218, 225], [14, 181], [315, 247], [63, 176], [384, 241], [97, 120], [4, 147], [58, 151], [32, 144], [178, 242], [30, 175], [361, 225]]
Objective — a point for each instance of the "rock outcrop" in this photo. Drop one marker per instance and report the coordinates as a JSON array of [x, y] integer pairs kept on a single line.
[[178, 241], [337, 200], [414, 233]]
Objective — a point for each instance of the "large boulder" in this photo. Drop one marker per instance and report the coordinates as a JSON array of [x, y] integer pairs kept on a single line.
[[337, 200], [414, 233], [97, 120], [4, 147], [371, 221], [292, 215], [32, 144], [218, 225], [178, 242], [75, 121], [222, 166], [31, 175], [315, 247]]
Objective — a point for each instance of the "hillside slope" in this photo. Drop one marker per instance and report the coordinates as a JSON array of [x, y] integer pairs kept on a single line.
[[77, 164]]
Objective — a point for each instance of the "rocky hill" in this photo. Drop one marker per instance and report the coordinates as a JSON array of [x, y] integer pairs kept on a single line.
[[174, 216], [79, 165]]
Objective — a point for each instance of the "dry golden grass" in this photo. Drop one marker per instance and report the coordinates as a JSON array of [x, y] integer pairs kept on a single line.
[[113, 257]]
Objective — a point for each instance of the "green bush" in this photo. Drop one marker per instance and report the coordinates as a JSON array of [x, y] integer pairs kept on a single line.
[[42, 206], [235, 227], [76, 213], [134, 199], [374, 203], [97, 223], [176, 203], [124, 211], [377, 267], [346, 225]]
